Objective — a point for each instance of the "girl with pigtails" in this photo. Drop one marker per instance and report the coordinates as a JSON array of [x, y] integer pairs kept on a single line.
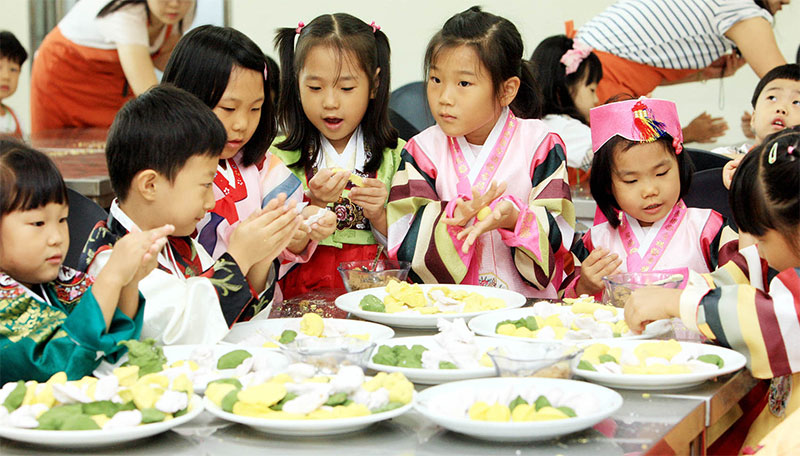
[[333, 108]]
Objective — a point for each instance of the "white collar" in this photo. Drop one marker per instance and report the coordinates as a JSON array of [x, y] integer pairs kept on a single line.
[[476, 162], [352, 157], [645, 235], [165, 256]]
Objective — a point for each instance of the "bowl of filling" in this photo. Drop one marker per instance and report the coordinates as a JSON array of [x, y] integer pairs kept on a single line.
[[360, 275], [552, 360], [618, 287]]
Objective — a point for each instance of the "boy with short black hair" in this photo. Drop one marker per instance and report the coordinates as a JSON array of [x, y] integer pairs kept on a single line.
[[162, 153], [12, 56]]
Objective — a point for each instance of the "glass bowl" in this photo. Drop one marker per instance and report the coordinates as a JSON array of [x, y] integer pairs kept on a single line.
[[618, 287], [550, 360], [330, 355], [359, 275]]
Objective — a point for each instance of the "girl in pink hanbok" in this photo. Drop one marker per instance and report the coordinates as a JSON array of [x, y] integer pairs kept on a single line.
[[639, 177], [487, 153]]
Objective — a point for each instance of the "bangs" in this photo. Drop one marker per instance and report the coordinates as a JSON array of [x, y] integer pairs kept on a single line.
[[29, 179]]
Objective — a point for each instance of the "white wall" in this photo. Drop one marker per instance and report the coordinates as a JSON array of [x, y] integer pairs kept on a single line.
[[410, 24]]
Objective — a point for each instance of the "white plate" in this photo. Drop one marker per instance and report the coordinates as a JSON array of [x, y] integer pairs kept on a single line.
[[307, 427], [349, 303], [733, 362], [273, 327], [437, 376], [184, 352], [96, 438], [608, 402], [485, 325]]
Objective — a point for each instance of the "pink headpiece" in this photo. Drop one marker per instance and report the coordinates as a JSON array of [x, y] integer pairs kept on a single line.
[[573, 57], [375, 27], [299, 28], [643, 120]]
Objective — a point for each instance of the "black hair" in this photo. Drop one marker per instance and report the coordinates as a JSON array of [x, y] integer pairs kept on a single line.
[[348, 36], [201, 64], [553, 79], [11, 48], [790, 71], [499, 47], [274, 79], [766, 196], [115, 5], [603, 168], [28, 179], [161, 130]]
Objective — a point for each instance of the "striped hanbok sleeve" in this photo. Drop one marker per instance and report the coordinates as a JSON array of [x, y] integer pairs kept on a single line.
[[416, 233], [762, 325], [542, 237]]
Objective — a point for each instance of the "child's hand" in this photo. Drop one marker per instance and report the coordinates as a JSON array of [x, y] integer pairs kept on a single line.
[[135, 255], [747, 129], [729, 169], [597, 265], [326, 186], [704, 129], [466, 210], [323, 227], [649, 304], [504, 215], [264, 234], [300, 239], [371, 197]]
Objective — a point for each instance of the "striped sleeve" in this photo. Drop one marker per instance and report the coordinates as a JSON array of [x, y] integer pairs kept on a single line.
[[762, 325], [542, 237], [416, 233]]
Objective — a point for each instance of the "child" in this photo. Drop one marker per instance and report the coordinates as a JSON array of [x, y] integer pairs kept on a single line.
[[55, 318], [480, 154], [567, 73], [12, 56], [639, 175], [333, 107], [776, 105], [744, 305], [162, 152], [227, 71]]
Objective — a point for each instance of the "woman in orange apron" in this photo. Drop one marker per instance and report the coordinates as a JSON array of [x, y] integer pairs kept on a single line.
[[100, 55], [643, 44]]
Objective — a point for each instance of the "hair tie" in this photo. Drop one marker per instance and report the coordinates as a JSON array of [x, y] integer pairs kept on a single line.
[[790, 150], [375, 27], [299, 28], [265, 71], [773, 153], [677, 145], [573, 57]]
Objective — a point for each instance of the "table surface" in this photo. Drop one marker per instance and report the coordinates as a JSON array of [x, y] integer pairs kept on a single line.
[[647, 423]]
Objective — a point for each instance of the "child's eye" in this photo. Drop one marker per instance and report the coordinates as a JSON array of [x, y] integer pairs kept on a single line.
[[347, 89], [435, 80], [256, 109], [771, 97], [629, 181], [227, 109], [62, 220], [314, 88], [464, 84], [662, 174], [38, 223]]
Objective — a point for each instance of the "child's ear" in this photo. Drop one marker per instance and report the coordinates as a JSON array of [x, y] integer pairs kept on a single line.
[[508, 90], [375, 83], [145, 183]]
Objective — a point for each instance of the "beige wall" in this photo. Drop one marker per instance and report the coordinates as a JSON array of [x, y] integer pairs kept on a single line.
[[14, 17], [410, 23]]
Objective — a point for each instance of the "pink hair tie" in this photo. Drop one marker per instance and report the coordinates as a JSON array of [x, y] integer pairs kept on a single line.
[[374, 26], [265, 71], [573, 57], [299, 28]]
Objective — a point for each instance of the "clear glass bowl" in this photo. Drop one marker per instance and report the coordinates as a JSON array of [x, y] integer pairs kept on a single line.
[[359, 275], [619, 286], [329, 355], [535, 360]]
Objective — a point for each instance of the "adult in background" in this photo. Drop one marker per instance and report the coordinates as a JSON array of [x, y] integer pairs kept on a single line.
[[643, 44], [100, 55]]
